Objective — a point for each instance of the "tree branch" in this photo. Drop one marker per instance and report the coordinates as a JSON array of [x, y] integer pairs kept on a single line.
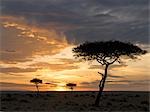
[[113, 61], [101, 74], [100, 62]]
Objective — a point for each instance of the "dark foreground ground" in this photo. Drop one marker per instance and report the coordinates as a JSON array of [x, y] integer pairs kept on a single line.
[[74, 101]]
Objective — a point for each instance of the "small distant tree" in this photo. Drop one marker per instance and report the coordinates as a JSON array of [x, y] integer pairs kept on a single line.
[[71, 85], [106, 53], [36, 81]]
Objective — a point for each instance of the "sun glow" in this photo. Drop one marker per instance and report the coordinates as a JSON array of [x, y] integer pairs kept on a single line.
[[60, 88]]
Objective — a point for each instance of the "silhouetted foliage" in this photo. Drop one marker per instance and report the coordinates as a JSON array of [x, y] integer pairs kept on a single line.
[[36, 81], [106, 53], [47, 83], [71, 85]]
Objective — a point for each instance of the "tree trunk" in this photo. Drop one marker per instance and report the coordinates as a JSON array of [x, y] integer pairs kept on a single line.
[[37, 88], [101, 87]]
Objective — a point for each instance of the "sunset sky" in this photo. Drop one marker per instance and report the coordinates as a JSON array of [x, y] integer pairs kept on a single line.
[[37, 37]]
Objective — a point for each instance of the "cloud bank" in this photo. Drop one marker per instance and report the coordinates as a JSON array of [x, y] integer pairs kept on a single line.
[[82, 20]]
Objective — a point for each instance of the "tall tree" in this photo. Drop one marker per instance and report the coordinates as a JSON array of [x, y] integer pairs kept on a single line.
[[106, 53], [36, 81]]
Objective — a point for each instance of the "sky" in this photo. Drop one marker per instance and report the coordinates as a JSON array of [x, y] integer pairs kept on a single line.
[[37, 37]]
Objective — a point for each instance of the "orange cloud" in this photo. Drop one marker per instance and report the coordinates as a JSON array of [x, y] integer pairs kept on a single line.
[[17, 70], [28, 41], [55, 67]]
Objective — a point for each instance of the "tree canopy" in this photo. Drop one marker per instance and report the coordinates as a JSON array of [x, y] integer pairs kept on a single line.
[[71, 85], [107, 52], [36, 80]]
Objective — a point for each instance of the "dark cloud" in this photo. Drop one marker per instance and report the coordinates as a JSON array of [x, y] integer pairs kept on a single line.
[[96, 82], [116, 82], [93, 83], [82, 20], [119, 81], [55, 67], [128, 82], [68, 61], [7, 84], [114, 76], [117, 66], [120, 85], [51, 84], [17, 70], [84, 83], [141, 83]]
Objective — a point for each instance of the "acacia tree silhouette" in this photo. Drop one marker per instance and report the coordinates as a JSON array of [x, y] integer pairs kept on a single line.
[[106, 53], [36, 81], [71, 85]]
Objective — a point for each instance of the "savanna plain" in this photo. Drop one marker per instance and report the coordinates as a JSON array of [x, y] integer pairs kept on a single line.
[[74, 101]]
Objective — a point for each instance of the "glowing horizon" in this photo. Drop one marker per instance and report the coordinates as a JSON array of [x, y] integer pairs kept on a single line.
[[38, 42]]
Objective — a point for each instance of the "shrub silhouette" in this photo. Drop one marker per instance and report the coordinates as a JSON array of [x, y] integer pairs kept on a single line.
[[106, 53], [71, 85], [36, 81]]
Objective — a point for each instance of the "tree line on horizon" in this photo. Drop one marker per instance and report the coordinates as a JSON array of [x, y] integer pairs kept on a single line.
[[37, 81], [105, 53]]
